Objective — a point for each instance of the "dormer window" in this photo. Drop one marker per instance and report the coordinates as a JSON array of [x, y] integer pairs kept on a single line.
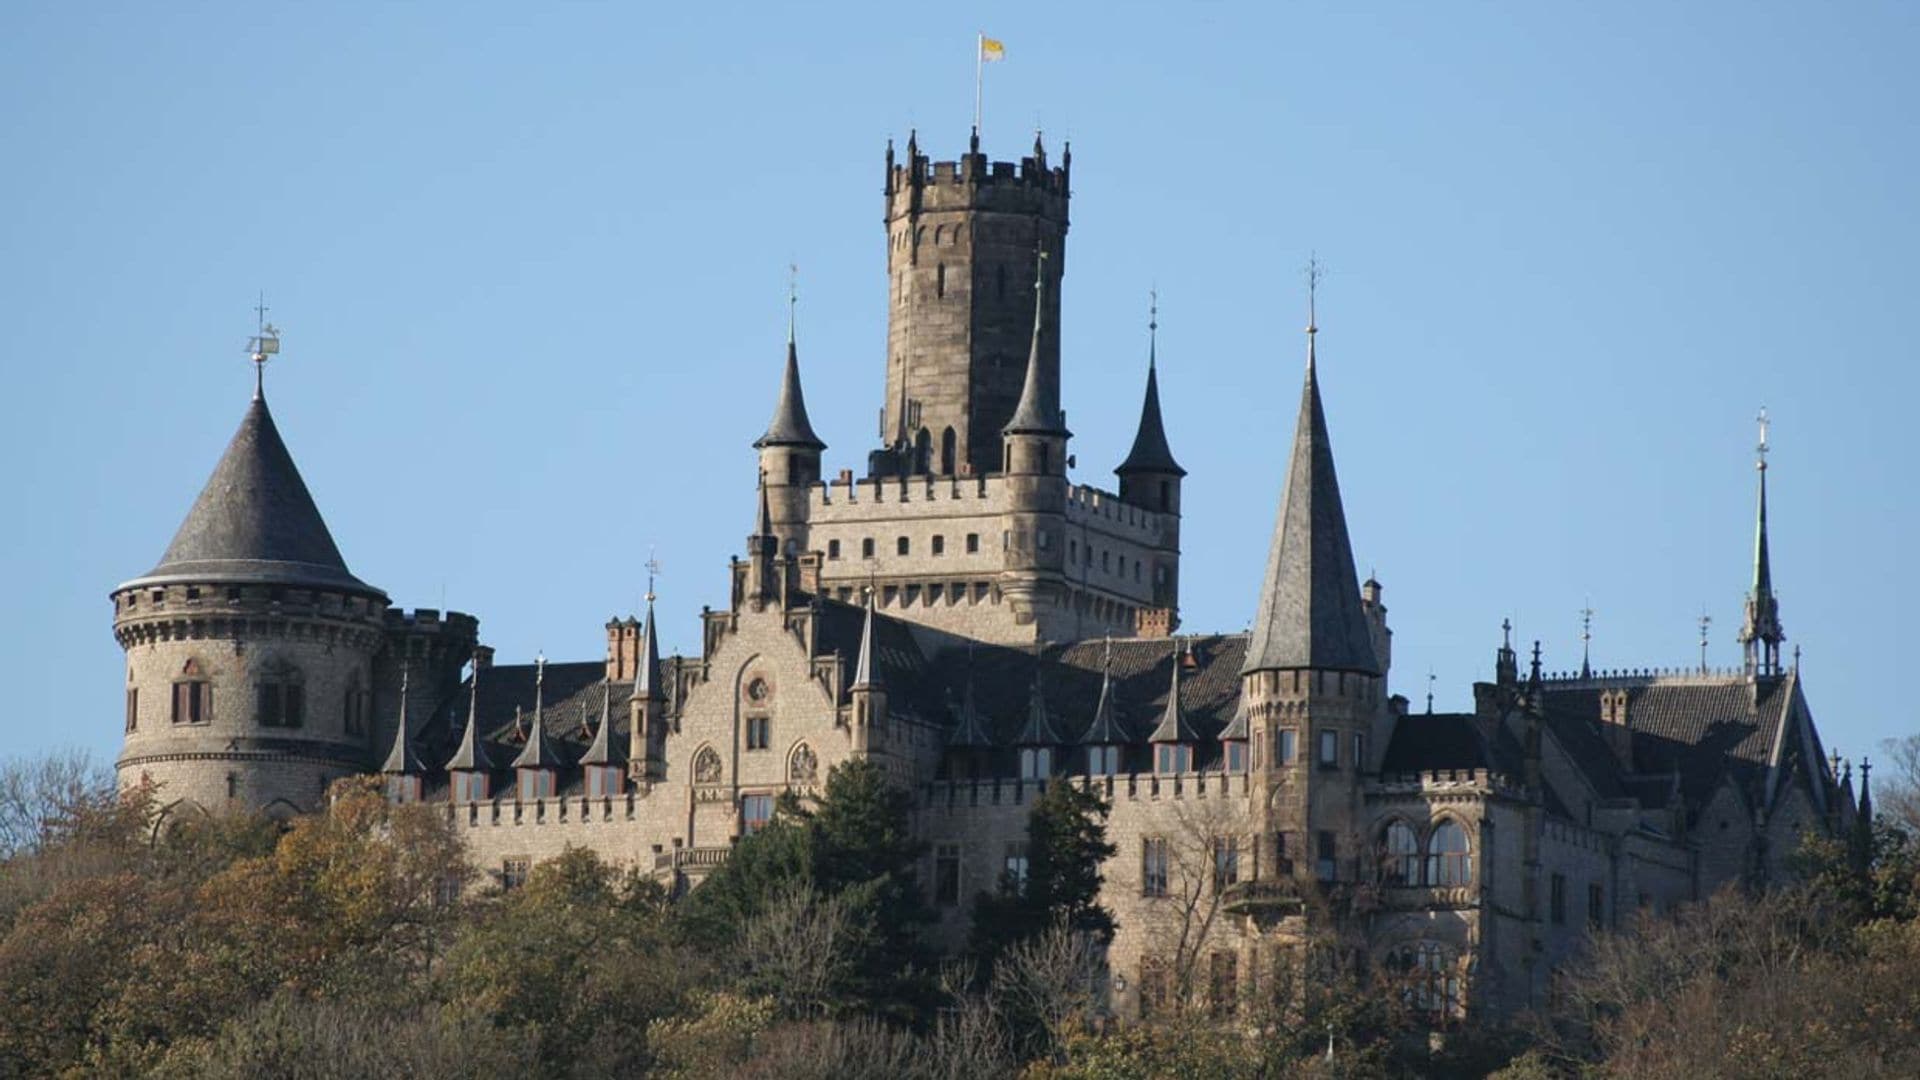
[[1036, 763], [1103, 760], [403, 789], [605, 781], [1175, 758], [470, 787], [536, 784]]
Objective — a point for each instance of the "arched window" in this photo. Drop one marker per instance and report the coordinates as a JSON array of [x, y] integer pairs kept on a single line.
[[940, 281], [947, 448], [1449, 859], [923, 452], [1400, 854], [280, 695], [1430, 977]]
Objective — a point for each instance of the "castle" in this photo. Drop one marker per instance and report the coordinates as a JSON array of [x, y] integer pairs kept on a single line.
[[966, 615]]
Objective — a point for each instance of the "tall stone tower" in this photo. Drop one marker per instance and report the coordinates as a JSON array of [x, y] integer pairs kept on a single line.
[[962, 241], [1312, 682], [250, 647]]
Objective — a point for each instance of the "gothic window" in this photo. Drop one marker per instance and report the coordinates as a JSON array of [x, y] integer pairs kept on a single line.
[[1283, 849], [1153, 986], [355, 708], [514, 870], [706, 766], [1326, 864], [1013, 867], [948, 447], [1400, 850], [1430, 978], [1449, 857], [803, 768], [1226, 862], [1155, 863], [946, 875], [923, 452], [280, 696], [759, 732], [192, 696], [755, 812]]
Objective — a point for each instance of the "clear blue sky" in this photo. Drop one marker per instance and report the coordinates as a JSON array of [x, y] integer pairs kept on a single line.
[[530, 263]]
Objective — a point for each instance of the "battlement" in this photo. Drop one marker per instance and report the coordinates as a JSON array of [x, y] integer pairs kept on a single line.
[[432, 621], [973, 170], [1131, 788], [1632, 678]]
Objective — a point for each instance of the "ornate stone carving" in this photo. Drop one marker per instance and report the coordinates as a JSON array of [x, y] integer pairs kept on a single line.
[[706, 766], [804, 768]]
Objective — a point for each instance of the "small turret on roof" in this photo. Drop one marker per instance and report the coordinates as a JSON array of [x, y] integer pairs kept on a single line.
[[1105, 727], [1174, 726], [865, 676], [790, 425], [646, 676], [536, 754], [1038, 730], [969, 731], [471, 754], [604, 749], [402, 760], [1038, 412], [1150, 453]]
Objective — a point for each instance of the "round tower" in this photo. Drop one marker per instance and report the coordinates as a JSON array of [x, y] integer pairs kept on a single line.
[[789, 454], [961, 238], [250, 647]]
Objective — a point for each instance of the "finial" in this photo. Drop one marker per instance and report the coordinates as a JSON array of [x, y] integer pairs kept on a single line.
[[793, 297], [653, 571], [1834, 760], [1430, 681], [1153, 324], [1536, 660], [1314, 274], [1760, 451], [1586, 640], [1706, 620], [1796, 658], [264, 345], [1506, 633], [540, 667]]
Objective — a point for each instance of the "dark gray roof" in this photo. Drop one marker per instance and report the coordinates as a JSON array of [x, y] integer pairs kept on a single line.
[[1435, 741], [1038, 412], [255, 523], [1174, 727], [790, 426], [1105, 726], [402, 758], [605, 749], [1038, 730], [1310, 614], [1150, 453]]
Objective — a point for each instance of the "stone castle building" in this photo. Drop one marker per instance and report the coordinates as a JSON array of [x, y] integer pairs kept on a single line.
[[981, 624]]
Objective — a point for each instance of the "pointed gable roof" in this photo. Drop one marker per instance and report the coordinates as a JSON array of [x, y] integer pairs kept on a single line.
[[605, 749], [1150, 453], [968, 730], [646, 676], [863, 674], [536, 754], [255, 522], [402, 759], [790, 426], [1310, 614], [1174, 726], [1105, 727], [1038, 730], [471, 754], [1038, 412]]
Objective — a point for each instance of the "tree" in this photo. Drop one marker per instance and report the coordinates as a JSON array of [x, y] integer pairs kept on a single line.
[[1066, 847]]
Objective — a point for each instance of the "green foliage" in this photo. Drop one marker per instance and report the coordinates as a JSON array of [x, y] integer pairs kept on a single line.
[[1066, 845]]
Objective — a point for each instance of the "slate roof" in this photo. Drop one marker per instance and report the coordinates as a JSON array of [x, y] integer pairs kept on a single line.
[[1435, 741], [1310, 614], [255, 522], [1150, 451], [1142, 675], [790, 426], [1038, 412]]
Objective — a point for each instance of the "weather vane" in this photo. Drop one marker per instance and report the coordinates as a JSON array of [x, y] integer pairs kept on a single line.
[[793, 295], [1763, 447], [1586, 639], [264, 345], [1706, 620], [1314, 273], [653, 571]]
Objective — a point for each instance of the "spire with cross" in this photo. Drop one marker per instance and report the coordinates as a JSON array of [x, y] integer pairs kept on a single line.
[[1586, 640], [262, 346]]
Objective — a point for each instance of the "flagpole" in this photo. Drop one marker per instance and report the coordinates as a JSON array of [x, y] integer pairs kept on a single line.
[[979, 63]]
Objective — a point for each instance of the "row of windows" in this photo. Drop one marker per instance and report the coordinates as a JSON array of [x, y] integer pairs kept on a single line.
[[1109, 564], [603, 782], [280, 704], [933, 593], [1287, 749], [1446, 860], [1557, 902], [903, 545]]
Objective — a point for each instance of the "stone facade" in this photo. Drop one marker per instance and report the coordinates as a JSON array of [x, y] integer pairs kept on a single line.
[[982, 626]]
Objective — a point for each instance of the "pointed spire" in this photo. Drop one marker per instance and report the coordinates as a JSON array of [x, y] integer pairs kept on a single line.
[[1174, 726], [471, 756], [1310, 614], [604, 749], [1105, 727], [763, 513], [1761, 633], [402, 759], [790, 426], [646, 676], [535, 755], [1866, 794], [1038, 412], [255, 522], [1150, 451], [969, 731], [863, 672], [1038, 730]]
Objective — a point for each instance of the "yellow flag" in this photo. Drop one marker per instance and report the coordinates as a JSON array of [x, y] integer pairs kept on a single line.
[[991, 50]]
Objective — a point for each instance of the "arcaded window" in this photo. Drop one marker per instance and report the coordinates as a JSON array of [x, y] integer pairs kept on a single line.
[[1400, 852], [1449, 859]]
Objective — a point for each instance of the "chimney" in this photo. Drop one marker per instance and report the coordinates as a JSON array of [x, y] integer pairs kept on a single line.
[[1616, 726], [623, 649]]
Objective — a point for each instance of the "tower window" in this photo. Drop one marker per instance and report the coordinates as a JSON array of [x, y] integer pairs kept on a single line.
[[133, 707], [866, 548], [833, 549], [1154, 865], [1289, 746], [940, 282], [939, 545], [946, 875], [903, 546], [1327, 862], [280, 704], [1329, 749], [192, 701], [973, 543]]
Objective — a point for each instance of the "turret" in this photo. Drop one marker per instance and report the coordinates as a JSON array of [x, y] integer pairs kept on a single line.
[[1150, 477], [1760, 633], [790, 452], [1175, 742], [1312, 681], [537, 768], [1034, 460], [960, 236], [470, 769], [250, 646], [1104, 741], [403, 769], [605, 762], [1037, 738], [867, 693], [647, 723]]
